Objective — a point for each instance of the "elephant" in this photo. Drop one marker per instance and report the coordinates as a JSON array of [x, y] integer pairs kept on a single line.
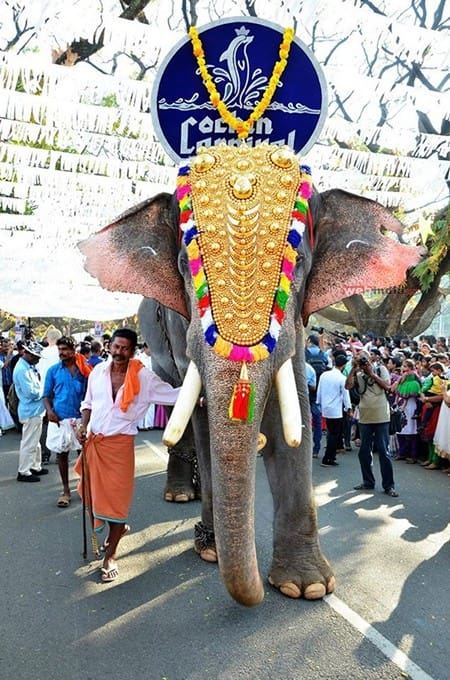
[[246, 250]]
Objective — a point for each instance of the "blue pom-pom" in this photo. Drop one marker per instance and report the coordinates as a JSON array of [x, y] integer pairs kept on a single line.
[[269, 341], [294, 238], [211, 335]]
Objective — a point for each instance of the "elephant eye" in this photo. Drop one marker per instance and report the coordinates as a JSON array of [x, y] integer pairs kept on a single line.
[[183, 264]]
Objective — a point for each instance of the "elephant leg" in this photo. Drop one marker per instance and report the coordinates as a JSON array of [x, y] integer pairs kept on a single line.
[[299, 569], [204, 538], [183, 481]]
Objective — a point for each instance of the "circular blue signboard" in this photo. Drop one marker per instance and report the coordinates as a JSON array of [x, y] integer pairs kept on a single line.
[[240, 55]]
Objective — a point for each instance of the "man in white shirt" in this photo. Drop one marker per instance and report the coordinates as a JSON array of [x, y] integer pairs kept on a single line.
[[333, 399], [49, 357], [118, 395]]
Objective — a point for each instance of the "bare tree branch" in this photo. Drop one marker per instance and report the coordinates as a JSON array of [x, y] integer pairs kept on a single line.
[[134, 9], [189, 11]]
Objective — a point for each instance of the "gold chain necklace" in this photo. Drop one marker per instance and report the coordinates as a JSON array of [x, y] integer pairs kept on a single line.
[[242, 127]]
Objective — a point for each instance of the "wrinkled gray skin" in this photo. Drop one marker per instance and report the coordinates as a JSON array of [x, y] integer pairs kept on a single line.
[[165, 333], [141, 252]]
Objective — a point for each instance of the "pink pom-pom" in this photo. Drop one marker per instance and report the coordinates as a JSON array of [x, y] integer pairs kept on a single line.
[[287, 268], [306, 190], [195, 266], [182, 191], [240, 354]]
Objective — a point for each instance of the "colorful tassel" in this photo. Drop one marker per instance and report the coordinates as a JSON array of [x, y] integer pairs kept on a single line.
[[243, 400]]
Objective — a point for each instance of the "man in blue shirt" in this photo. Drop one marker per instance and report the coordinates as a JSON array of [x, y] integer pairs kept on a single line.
[[64, 390], [27, 382], [316, 358], [96, 350]]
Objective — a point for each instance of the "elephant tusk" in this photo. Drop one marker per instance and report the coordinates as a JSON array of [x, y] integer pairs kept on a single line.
[[291, 416], [184, 406]]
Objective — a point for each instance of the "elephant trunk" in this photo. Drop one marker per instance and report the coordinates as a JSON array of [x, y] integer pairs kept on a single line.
[[233, 485], [233, 465]]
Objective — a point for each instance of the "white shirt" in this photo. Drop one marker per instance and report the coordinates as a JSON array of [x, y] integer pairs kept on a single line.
[[49, 357], [107, 417], [332, 395]]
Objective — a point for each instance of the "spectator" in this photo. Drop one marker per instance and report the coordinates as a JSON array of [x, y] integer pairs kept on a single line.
[[106, 338], [65, 387], [432, 387], [6, 355], [18, 353], [27, 382], [49, 357], [333, 400], [441, 438], [96, 353], [373, 382], [49, 354], [148, 421], [429, 415], [6, 421], [407, 391], [317, 358], [85, 351], [311, 381]]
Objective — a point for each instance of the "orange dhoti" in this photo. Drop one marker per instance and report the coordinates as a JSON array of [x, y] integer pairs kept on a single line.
[[110, 477]]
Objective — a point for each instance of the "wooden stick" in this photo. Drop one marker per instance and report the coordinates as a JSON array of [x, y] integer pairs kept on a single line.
[[83, 472], [87, 504]]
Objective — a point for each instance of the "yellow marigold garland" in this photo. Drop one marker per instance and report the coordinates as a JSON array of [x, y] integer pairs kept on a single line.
[[242, 127]]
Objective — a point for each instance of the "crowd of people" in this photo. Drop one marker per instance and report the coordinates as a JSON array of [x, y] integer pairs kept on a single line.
[[386, 396]]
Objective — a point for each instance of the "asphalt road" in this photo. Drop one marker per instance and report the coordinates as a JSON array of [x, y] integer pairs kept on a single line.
[[169, 616]]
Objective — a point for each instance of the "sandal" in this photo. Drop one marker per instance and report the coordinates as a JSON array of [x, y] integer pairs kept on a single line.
[[64, 500], [104, 546], [109, 575]]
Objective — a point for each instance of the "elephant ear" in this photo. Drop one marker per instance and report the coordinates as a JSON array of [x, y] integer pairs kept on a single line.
[[138, 253], [353, 253]]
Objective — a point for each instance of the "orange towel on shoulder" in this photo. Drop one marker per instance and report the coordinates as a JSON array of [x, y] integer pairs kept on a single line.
[[131, 384], [110, 464], [82, 366]]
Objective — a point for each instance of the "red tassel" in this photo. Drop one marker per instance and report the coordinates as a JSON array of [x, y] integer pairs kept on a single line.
[[242, 401]]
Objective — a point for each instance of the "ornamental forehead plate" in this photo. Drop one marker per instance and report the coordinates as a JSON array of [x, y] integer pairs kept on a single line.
[[243, 240], [240, 54]]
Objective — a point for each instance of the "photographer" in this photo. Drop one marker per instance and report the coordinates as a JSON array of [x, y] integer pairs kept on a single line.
[[373, 382]]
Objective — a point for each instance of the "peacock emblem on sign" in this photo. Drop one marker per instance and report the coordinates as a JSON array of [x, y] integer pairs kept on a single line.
[[241, 86]]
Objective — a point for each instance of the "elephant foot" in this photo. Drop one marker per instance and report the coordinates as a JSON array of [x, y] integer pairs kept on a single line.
[[207, 554], [205, 543], [315, 591], [182, 484], [179, 496], [311, 578]]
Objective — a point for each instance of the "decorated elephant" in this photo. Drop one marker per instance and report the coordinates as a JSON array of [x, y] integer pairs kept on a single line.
[[246, 251]]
